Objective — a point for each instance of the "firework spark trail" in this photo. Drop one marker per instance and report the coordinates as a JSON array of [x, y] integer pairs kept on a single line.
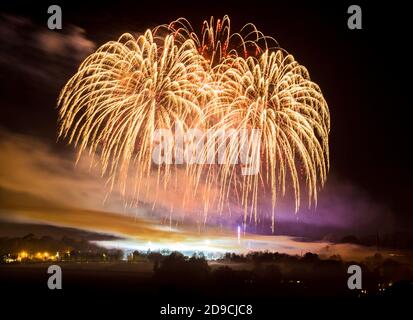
[[221, 81], [275, 94], [216, 40], [122, 93]]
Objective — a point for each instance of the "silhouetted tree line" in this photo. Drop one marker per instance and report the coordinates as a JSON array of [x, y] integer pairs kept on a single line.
[[395, 240], [275, 274]]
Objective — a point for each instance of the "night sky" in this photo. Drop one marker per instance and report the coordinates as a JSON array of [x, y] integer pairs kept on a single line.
[[363, 74]]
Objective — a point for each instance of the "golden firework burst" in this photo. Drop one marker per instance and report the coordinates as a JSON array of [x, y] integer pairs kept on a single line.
[[219, 80]]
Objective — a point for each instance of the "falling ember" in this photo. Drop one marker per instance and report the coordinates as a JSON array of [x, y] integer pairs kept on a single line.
[[218, 80]]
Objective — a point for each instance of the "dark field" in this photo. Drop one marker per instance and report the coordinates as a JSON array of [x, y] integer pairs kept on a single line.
[[99, 288]]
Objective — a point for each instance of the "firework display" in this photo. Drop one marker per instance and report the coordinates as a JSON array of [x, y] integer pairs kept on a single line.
[[217, 80], [204, 159]]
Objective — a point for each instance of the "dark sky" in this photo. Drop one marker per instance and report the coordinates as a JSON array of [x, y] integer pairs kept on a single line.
[[363, 73]]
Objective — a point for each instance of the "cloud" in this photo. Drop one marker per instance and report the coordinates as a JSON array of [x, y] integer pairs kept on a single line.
[[38, 51], [40, 186], [72, 44], [38, 183], [31, 167], [347, 206]]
